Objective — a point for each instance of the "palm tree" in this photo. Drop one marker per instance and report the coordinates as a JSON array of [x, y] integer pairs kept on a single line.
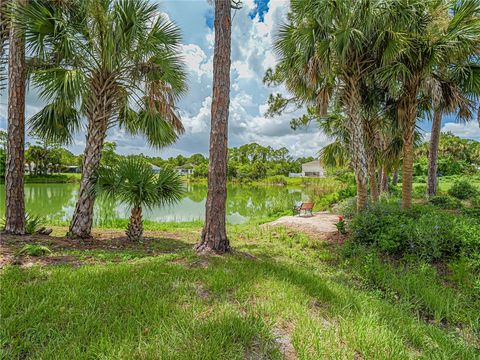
[[116, 62], [17, 79], [134, 183], [214, 233], [425, 36], [326, 50], [450, 91]]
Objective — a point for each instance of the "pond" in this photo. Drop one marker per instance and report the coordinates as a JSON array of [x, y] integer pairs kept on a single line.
[[57, 202]]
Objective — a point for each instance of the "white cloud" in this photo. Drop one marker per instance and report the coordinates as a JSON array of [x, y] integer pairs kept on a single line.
[[469, 130], [252, 55]]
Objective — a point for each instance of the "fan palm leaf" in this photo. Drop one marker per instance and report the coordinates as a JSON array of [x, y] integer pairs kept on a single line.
[[111, 62], [133, 183]]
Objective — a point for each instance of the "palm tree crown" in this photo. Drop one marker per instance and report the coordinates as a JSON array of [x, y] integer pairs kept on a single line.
[[122, 53], [133, 182]]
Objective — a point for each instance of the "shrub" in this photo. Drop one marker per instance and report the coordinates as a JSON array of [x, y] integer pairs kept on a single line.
[[33, 223], [422, 232], [463, 190], [346, 207], [445, 202], [34, 250], [277, 180], [472, 213]]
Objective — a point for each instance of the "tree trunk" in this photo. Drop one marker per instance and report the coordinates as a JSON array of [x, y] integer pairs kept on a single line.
[[357, 143], [214, 234], [383, 181], [81, 224], [15, 168], [100, 108], [373, 180], [407, 114], [135, 226], [433, 153], [395, 178]]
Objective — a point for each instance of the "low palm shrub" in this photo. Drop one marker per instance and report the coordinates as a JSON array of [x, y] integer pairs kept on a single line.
[[134, 183], [34, 250], [33, 223]]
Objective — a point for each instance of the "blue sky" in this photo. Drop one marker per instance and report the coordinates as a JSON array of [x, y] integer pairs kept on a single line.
[[254, 27]]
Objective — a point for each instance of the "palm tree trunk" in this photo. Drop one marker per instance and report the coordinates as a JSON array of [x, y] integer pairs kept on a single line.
[[433, 153], [383, 181], [135, 226], [395, 178], [214, 234], [373, 182], [100, 107], [357, 143], [15, 168], [407, 114], [81, 224]]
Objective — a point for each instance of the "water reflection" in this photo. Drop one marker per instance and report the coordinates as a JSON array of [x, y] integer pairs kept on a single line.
[[57, 202]]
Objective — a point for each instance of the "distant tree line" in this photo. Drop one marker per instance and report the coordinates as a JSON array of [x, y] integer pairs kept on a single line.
[[245, 163]]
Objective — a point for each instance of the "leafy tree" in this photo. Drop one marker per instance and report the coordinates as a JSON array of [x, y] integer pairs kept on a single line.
[[113, 61], [326, 50], [109, 157], [133, 182], [435, 34]]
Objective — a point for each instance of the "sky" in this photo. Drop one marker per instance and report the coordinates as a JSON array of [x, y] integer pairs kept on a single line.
[[253, 31]]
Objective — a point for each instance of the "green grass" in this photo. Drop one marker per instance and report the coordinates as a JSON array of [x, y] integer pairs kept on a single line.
[[53, 178], [176, 305]]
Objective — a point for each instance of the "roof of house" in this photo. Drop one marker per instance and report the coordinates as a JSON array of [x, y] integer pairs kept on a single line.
[[313, 163], [155, 167]]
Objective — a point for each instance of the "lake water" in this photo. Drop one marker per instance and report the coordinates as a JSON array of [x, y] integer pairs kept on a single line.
[[57, 202]]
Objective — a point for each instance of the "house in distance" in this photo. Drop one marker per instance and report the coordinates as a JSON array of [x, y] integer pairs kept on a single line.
[[310, 169]]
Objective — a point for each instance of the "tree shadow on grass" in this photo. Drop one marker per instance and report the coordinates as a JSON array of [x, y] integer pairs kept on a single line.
[[65, 251]]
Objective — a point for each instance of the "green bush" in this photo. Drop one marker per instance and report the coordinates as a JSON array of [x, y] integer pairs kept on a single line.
[[472, 213], [445, 202], [422, 232], [346, 207], [33, 223], [463, 190], [34, 250], [277, 180]]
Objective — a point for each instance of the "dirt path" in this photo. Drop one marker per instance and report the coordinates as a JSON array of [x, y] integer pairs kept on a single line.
[[322, 223]]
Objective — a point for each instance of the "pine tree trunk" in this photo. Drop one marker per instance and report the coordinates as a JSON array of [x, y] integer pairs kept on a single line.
[[407, 114], [433, 153], [100, 107], [15, 168], [357, 143], [135, 226], [214, 234]]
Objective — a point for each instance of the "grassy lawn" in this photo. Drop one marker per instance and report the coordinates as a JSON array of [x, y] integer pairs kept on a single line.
[[281, 294]]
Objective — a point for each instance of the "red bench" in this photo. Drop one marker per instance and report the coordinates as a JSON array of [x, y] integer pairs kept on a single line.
[[307, 208]]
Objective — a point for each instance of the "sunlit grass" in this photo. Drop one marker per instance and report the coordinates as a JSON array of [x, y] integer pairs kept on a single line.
[[278, 289]]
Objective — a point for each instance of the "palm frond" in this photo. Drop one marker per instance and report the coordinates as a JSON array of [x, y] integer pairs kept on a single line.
[[133, 182]]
